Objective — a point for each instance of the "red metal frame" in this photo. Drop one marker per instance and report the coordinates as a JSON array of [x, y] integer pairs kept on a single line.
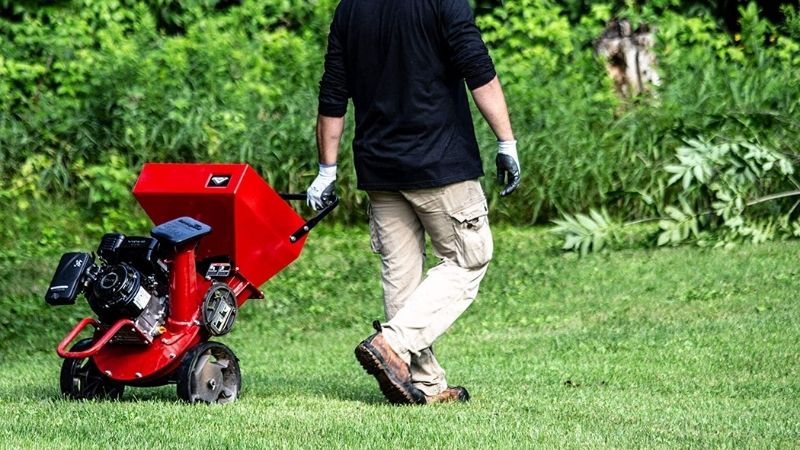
[[98, 342]]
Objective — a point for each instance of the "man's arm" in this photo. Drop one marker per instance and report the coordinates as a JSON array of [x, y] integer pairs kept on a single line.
[[491, 102], [333, 92], [333, 97], [329, 136], [471, 59], [323, 189]]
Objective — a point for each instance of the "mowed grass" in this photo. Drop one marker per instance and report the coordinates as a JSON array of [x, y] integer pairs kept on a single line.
[[668, 348]]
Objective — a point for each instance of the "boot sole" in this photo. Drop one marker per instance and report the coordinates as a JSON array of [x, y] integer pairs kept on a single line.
[[393, 390]]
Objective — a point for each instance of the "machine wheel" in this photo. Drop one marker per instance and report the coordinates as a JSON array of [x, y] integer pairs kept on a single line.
[[209, 373], [80, 378]]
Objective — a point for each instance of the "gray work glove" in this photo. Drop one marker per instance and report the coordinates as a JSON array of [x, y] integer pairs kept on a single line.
[[508, 172], [323, 189]]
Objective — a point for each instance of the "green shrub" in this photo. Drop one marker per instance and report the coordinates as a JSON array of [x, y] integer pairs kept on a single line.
[[581, 147], [738, 189], [238, 86], [83, 83], [743, 96]]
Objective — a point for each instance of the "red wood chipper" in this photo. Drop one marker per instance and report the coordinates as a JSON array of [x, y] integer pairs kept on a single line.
[[220, 233]]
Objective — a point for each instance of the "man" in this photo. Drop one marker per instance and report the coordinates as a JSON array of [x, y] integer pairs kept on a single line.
[[404, 63]]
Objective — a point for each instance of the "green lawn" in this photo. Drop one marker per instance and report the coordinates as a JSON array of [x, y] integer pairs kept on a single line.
[[668, 348]]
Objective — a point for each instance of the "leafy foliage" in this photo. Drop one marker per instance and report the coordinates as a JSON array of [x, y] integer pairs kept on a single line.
[[587, 233], [216, 80], [585, 149], [720, 188], [84, 80]]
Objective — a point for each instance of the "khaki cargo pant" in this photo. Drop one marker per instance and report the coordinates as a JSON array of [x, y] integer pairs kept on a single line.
[[419, 310]]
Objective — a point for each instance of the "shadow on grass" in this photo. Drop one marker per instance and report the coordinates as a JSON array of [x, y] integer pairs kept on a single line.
[[363, 390], [258, 386]]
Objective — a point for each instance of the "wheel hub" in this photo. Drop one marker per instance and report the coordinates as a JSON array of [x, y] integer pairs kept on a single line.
[[213, 376]]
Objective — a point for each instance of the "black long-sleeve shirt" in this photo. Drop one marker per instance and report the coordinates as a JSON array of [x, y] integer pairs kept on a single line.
[[404, 64]]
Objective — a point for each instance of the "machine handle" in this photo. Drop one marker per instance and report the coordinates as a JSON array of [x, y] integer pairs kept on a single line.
[[312, 222]]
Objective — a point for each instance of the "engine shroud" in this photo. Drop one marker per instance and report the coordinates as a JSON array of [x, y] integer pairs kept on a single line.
[[117, 293], [130, 283]]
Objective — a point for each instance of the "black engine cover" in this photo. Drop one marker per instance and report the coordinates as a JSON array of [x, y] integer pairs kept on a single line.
[[117, 293], [66, 284], [139, 251]]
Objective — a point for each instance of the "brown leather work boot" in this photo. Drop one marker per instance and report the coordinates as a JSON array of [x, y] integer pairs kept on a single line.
[[451, 394], [392, 373]]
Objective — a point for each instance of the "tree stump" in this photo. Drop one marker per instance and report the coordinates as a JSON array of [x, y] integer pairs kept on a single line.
[[629, 57]]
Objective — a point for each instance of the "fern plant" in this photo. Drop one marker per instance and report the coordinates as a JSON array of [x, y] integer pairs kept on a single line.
[[718, 186], [587, 233]]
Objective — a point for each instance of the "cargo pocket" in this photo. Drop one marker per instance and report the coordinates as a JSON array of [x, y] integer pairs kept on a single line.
[[473, 238], [374, 240]]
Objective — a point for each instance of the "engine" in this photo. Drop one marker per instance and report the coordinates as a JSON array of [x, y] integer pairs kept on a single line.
[[128, 282]]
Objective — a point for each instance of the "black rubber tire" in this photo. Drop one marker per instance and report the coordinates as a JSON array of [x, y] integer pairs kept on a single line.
[[81, 380], [209, 373]]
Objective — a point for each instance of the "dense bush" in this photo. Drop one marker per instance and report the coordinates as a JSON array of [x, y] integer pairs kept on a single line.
[[727, 114], [584, 148], [89, 90], [86, 83]]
